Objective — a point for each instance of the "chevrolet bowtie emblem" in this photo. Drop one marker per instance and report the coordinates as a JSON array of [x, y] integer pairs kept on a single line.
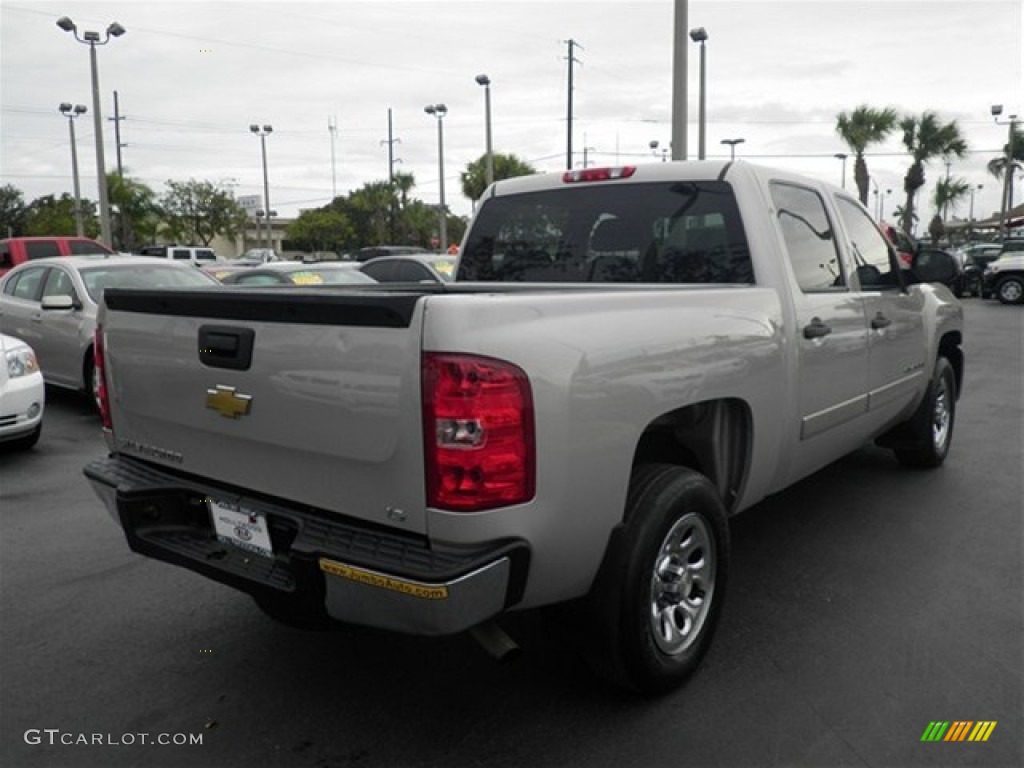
[[227, 402]]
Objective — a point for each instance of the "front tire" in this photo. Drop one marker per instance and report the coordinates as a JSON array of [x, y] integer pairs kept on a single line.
[[1010, 290], [926, 438], [662, 585]]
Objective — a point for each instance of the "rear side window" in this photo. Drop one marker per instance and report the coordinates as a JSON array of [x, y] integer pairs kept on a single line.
[[41, 249], [28, 284], [810, 238], [5, 255], [205, 255], [659, 232], [181, 253], [80, 247]]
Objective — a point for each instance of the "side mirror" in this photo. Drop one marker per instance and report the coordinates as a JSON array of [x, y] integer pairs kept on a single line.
[[58, 302], [934, 266]]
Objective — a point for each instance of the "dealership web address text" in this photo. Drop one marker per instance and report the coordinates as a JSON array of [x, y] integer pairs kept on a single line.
[[55, 736]]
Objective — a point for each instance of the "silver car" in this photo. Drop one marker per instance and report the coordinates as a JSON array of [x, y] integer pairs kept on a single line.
[[51, 305]]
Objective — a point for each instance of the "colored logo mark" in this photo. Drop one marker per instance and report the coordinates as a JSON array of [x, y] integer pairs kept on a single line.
[[958, 730]]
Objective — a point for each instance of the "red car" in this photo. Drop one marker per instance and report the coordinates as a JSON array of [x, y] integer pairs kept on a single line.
[[18, 250]]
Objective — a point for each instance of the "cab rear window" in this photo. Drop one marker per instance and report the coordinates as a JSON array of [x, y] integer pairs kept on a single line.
[[659, 232]]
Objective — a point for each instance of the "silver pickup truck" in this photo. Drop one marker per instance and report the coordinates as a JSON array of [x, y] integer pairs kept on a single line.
[[627, 357]]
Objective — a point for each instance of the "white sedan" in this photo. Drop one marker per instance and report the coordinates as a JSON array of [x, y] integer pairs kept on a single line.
[[22, 394]]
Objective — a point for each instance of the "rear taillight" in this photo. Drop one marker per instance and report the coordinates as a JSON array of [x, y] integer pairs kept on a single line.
[[100, 372], [599, 174], [478, 432]]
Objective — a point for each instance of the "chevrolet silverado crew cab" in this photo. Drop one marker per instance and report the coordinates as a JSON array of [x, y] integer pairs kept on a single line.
[[627, 357]]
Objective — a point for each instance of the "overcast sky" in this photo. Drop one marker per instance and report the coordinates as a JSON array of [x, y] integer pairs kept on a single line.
[[192, 76]]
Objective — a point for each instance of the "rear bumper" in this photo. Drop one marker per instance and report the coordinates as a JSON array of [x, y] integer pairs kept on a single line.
[[322, 563]]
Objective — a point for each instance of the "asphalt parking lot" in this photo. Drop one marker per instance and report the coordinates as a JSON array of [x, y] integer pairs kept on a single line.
[[865, 603]]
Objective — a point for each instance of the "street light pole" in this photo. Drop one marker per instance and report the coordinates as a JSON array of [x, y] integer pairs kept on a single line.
[[1006, 208], [267, 129], [71, 113], [842, 156], [485, 81], [439, 111], [700, 35], [93, 39], [732, 146]]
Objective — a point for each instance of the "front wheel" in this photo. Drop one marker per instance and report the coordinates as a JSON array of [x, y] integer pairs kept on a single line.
[[929, 433], [662, 584], [1010, 290]]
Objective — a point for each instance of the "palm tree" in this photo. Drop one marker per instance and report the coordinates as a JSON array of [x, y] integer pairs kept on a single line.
[[997, 167], [899, 213], [948, 193], [861, 129], [925, 139]]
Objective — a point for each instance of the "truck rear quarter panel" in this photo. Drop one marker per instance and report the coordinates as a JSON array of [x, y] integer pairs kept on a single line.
[[604, 365]]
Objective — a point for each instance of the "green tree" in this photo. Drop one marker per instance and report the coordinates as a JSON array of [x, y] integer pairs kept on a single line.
[[474, 178], [13, 211], [137, 216], [50, 215], [864, 127], [368, 209], [197, 211], [926, 138], [322, 229], [936, 228]]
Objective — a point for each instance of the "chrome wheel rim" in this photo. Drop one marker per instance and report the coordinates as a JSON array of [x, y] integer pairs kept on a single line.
[[682, 584], [942, 415], [1010, 290]]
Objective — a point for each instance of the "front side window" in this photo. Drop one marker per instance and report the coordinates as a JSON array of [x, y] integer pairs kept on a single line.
[[658, 232], [58, 283], [810, 238], [873, 256]]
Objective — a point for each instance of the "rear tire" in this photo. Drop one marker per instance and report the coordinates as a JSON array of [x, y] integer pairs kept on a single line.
[[925, 439], [658, 596]]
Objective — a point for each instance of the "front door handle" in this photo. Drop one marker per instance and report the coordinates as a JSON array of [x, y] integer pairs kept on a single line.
[[816, 329], [880, 321]]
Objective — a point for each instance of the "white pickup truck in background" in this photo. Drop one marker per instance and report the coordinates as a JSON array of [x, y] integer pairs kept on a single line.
[[627, 357]]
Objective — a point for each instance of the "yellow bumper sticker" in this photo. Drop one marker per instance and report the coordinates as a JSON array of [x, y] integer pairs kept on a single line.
[[379, 580]]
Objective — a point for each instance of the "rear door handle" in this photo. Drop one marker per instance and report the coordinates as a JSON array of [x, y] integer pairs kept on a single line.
[[880, 321], [816, 329]]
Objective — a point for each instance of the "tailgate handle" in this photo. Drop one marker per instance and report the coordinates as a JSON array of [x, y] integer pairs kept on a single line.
[[222, 346]]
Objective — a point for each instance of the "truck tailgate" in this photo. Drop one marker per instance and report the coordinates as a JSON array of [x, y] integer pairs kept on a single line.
[[315, 401]]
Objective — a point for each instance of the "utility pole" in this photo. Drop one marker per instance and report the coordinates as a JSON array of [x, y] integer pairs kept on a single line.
[[332, 127], [116, 119], [391, 141], [568, 141]]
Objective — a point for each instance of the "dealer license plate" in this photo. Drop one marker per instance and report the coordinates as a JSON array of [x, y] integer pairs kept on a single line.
[[241, 528]]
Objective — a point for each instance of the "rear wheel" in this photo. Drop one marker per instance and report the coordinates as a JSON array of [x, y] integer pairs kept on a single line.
[[1010, 290], [659, 594]]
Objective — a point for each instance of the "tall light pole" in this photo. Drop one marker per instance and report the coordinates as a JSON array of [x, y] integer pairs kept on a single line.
[[267, 129], [842, 156], [485, 81], [881, 204], [700, 35], [93, 39], [732, 146], [970, 218], [680, 95], [1007, 202], [71, 113], [439, 111]]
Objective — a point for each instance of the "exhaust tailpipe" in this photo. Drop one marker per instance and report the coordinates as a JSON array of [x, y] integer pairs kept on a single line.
[[495, 641]]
